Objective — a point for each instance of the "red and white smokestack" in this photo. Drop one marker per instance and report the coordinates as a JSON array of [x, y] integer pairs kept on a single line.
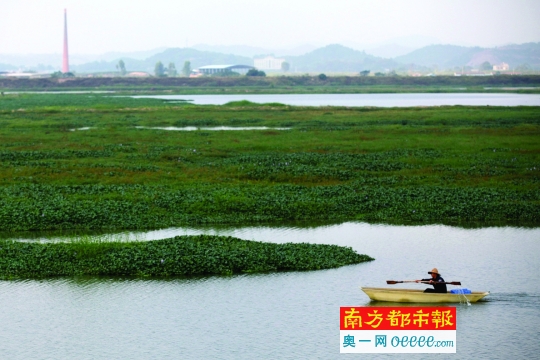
[[65, 58]]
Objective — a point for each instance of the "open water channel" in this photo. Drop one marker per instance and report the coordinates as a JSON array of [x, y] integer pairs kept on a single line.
[[289, 315], [354, 100]]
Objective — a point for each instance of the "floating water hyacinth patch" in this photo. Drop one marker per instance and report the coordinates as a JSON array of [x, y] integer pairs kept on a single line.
[[181, 255]]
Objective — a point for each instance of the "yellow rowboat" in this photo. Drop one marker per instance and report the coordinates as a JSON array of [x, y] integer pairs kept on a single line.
[[419, 296]]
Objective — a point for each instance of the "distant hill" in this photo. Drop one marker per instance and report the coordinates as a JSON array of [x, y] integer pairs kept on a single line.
[[175, 55], [331, 58], [516, 55], [338, 58], [388, 51], [33, 61], [7, 67], [139, 55], [241, 50], [251, 51], [439, 55], [449, 56], [197, 58], [53, 62]]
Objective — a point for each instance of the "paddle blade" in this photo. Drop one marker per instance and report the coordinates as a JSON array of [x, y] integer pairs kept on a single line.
[[392, 282], [454, 283]]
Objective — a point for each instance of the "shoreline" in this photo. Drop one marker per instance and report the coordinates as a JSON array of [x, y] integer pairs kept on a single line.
[[283, 84]]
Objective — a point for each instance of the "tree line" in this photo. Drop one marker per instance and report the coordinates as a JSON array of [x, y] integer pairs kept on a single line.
[[170, 71], [160, 70]]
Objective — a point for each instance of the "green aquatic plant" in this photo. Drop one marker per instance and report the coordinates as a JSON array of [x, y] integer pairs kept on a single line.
[[422, 165], [181, 255], [38, 207]]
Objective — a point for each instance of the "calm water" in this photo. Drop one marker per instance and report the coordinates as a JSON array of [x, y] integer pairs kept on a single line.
[[290, 315], [378, 100], [214, 128]]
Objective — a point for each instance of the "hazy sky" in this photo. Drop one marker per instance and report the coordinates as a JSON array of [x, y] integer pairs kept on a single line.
[[99, 26]]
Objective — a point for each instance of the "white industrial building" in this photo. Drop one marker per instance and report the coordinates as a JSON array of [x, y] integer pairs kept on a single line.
[[501, 67], [268, 63], [215, 69]]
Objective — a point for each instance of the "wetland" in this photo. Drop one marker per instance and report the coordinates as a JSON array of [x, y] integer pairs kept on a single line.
[[457, 187], [449, 165]]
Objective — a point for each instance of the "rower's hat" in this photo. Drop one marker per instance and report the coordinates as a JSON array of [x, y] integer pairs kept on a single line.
[[434, 271]]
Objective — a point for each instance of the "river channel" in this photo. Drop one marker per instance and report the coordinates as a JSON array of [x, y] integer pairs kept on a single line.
[[354, 100], [290, 315]]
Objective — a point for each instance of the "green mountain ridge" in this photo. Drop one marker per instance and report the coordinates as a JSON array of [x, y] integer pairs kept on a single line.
[[331, 58], [449, 56], [175, 55], [335, 58], [338, 58]]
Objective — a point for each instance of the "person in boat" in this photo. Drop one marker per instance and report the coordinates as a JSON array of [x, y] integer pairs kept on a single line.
[[439, 285]]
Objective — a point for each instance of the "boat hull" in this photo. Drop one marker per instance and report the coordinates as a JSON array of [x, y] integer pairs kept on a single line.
[[419, 296]]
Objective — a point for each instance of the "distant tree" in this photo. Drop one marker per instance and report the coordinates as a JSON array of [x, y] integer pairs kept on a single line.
[[172, 70], [227, 73], [486, 66], [392, 73], [322, 77], [159, 69], [121, 67], [364, 73], [186, 70], [252, 72], [379, 74], [285, 66], [255, 72], [59, 74]]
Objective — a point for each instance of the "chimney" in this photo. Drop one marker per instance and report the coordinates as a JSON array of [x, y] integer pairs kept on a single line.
[[65, 58]]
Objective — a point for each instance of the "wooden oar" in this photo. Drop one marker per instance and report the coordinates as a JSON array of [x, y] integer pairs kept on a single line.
[[393, 282]]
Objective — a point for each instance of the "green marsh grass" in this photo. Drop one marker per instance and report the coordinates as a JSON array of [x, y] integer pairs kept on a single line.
[[178, 256], [422, 165]]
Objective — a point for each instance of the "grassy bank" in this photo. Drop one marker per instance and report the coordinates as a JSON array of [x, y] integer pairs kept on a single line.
[[419, 165], [281, 84], [179, 256]]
